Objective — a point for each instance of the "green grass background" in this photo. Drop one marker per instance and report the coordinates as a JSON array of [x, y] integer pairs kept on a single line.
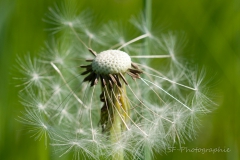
[[213, 33]]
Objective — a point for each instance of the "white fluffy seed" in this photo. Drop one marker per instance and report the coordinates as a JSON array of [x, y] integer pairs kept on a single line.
[[111, 62]]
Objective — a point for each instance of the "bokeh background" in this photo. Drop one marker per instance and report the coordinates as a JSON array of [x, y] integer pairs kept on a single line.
[[213, 32]]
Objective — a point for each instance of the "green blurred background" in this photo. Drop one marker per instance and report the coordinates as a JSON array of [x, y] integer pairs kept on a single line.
[[213, 33]]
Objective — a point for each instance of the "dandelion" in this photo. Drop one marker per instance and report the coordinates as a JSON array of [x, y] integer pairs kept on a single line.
[[97, 95]]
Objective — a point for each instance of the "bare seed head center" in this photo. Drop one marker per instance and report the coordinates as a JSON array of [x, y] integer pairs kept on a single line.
[[111, 62]]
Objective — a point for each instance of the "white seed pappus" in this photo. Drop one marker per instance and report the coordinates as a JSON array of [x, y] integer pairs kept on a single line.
[[96, 92]]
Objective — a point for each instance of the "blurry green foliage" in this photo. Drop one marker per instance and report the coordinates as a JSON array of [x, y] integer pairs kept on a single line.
[[213, 33]]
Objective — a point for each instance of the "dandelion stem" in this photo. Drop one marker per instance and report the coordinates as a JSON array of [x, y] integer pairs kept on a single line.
[[147, 4], [120, 117], [116, 134]]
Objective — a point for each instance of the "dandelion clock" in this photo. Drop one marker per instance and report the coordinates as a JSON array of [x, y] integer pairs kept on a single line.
[[98, 91]]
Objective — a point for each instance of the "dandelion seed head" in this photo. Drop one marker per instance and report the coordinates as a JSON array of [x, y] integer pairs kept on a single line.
[[57, 89], [111, 62], [64, 112], [41, 106], [59, 60], [35, 77], [81, 131], [89, 34], [118, 103], [44, 126], [121, 40], [70, 24]]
